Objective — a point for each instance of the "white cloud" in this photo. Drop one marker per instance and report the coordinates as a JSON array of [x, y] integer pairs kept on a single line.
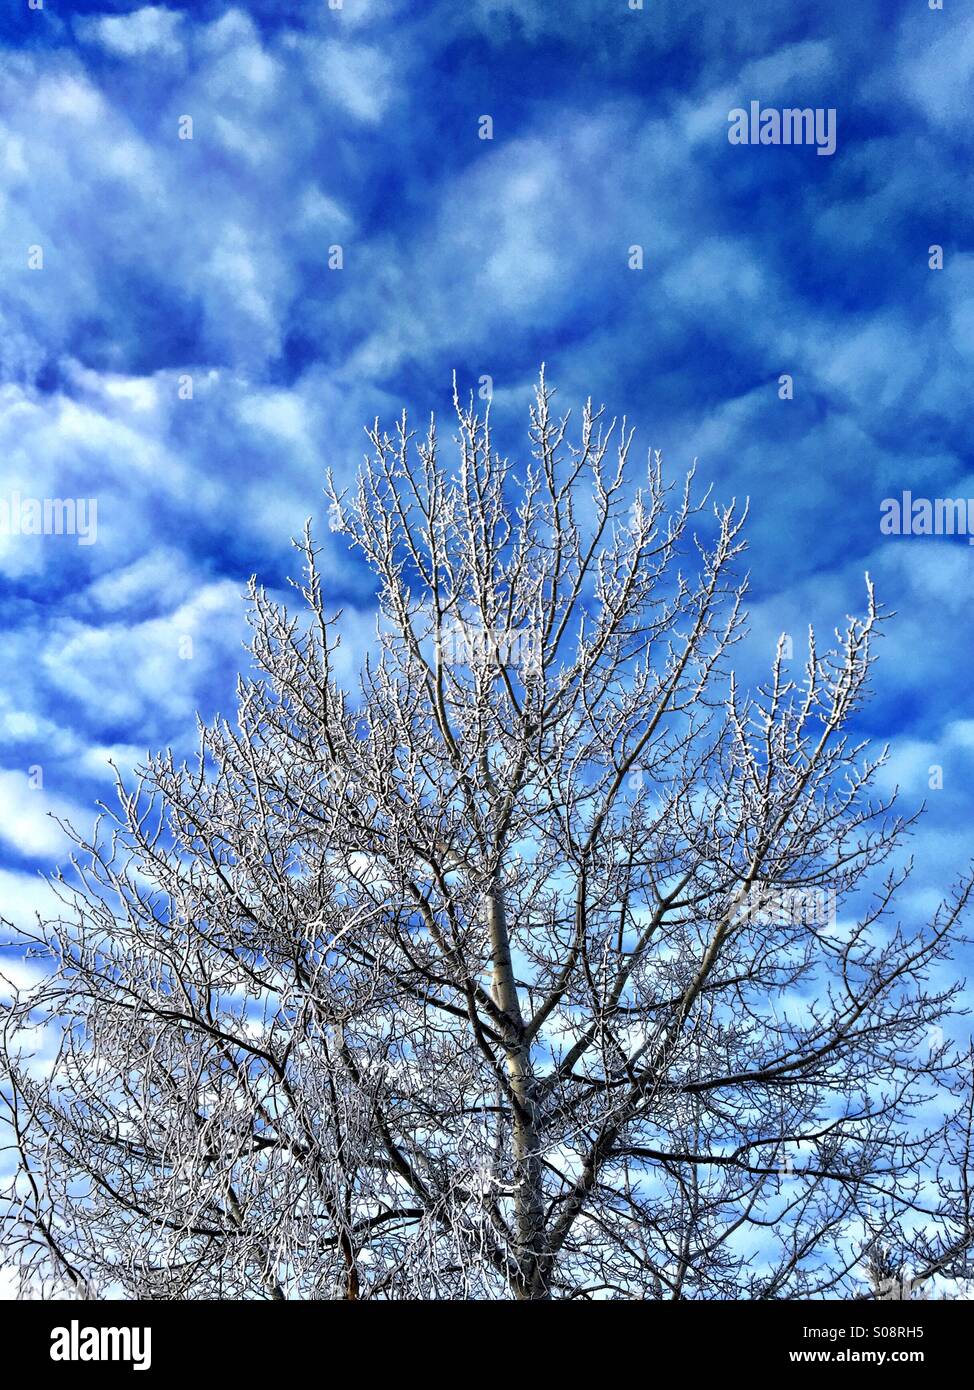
[[158, 667], [357, 76], [17, 976], [152, 29], [26, 817], [937, 68], [23, 897], [159, 578]]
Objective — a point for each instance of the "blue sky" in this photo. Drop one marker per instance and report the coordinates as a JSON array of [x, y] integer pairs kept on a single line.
[[312, 127]]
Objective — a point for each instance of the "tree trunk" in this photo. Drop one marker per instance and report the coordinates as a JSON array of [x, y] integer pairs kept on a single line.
[[525, 1154]]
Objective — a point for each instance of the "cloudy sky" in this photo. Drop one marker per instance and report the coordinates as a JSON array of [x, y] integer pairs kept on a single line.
[[133, 261]]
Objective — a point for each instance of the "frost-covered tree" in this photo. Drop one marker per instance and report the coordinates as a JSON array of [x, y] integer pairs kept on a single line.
[[515, 971]]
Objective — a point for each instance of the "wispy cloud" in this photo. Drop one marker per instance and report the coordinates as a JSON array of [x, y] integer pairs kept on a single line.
[[189, 353]]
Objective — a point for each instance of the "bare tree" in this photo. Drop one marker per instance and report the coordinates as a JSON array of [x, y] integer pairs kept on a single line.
[[517, 972]]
